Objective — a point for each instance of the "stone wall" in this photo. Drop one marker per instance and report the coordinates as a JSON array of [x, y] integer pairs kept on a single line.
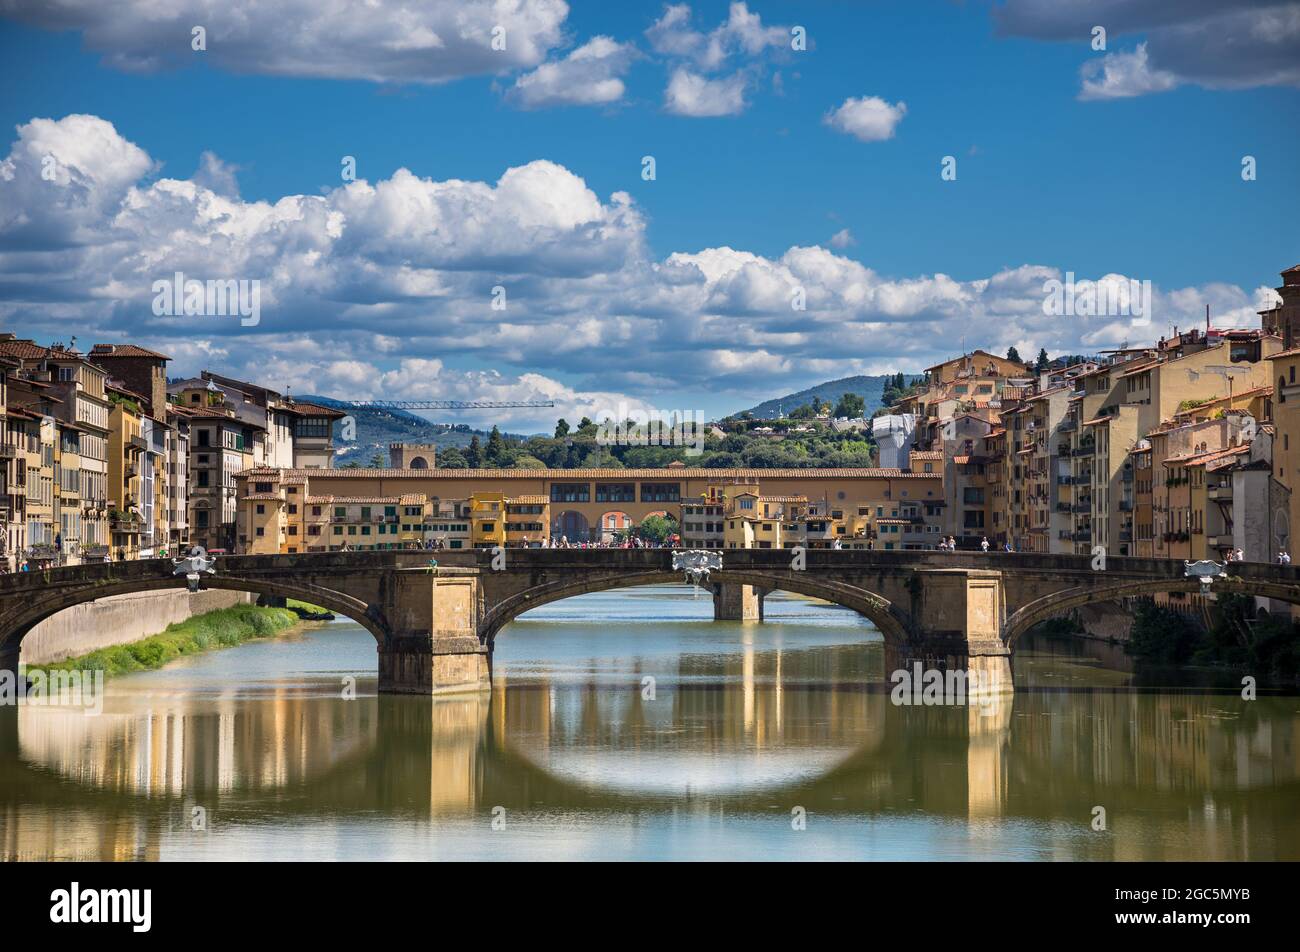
[[117, 620]]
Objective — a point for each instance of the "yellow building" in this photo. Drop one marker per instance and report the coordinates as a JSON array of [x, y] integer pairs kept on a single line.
[[751, 520], [125, 449], [528, 519], [487, 514]]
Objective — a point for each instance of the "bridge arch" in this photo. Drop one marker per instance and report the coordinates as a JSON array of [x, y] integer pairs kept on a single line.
[[893, 622], [1054, 604], [17, 623]]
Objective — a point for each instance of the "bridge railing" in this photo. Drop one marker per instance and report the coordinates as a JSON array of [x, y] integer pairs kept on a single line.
[[1115, 567]]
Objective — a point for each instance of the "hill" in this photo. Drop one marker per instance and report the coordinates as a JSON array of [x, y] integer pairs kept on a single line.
[[376, 428], [869, 388]]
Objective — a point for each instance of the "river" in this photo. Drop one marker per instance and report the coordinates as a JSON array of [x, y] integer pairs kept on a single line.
[[629, 725]]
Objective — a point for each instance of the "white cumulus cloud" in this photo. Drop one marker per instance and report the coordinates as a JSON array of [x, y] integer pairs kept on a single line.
[[690, 94], [868, 118], [587, 76]]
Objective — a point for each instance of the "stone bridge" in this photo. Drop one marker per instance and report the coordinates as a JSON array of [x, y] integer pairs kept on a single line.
[[435, 626]]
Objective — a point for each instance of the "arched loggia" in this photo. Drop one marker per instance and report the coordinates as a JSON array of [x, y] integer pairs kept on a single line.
[[1052, 605], [894, 623]]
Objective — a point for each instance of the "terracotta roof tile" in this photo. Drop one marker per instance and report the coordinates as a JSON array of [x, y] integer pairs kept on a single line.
[[124, 350]]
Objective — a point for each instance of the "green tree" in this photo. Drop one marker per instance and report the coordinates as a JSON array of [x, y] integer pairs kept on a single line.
[[1043, 360], [657, 528], [561, 429], [1159, 635], [377, 461], [851, 405], [474, 455], [451, 458], [496, 448], [1013, 354]]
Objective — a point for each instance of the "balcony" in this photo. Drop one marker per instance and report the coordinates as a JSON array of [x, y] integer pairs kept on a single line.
[[1126, 505], [7, 451], [1223, 541], [1083, 535], [1067, 426], [1085, 450], [1125, 535], [119, 521], [1220, 493]]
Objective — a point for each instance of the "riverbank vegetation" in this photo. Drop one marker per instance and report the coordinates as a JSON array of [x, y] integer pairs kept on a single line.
[[223, 628], [1239, 636]]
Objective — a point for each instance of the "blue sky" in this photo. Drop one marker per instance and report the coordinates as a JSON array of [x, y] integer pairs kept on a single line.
[[1142, 178]]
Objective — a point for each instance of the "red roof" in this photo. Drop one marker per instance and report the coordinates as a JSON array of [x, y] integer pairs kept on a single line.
[[125, 350]]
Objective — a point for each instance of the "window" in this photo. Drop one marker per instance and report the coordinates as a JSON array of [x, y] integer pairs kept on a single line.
[[338, 530], [261, 510], [570, 492], [615, 492], [315, 510], [661, 492], [340, 512], [312, 427], [262, 488]]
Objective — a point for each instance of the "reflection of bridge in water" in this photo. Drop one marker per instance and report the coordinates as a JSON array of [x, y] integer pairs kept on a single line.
[[129, 778]]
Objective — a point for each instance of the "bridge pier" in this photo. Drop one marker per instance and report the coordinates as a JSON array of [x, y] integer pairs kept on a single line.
[[434, 647], [958, 615], [734, 602], [424, 665]]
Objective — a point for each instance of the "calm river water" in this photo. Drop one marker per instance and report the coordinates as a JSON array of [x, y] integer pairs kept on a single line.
[[628, 725]]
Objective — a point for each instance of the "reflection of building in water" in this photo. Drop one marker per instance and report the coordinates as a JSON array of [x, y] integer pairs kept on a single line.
[[66, 834], [211, 746], [1140, 754]]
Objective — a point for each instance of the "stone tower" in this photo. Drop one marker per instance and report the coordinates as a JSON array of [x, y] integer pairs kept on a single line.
[[411, 455]]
